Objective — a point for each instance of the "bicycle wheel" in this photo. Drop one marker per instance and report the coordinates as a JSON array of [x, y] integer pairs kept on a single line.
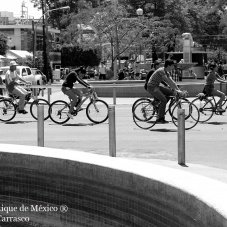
[[191, 112], [205, 107], [7, 110], [143, 110], [224, 104], [139, 100], [58, 112], [144, 114], [182, 104], [173, 103], [34, 108], [97, 111]]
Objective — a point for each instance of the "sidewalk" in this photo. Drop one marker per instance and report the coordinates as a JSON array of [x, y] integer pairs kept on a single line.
[[209, 134], [206, 171]]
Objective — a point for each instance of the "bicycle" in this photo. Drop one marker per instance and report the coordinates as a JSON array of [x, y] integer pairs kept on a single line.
[[144, 111], [96, 110], [9, 106], [207, 106]]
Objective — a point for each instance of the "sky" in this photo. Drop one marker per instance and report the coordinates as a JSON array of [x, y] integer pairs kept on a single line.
[[15, 6]]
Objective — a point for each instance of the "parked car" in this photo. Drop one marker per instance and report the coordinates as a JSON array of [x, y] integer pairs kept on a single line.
[[24, 72], [37, 73], [143, 74]]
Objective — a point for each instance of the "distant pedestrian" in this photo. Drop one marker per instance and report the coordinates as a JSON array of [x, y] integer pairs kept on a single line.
[[137, 69], [102, 71], [121, 74]]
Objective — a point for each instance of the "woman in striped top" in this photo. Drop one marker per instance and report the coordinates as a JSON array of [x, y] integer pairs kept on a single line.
[[209, 88]]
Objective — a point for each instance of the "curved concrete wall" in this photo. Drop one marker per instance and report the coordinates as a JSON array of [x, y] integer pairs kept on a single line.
[[105, 191]]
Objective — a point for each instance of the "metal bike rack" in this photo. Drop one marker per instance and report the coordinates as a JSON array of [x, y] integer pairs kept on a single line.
[[112, 131], [181, 136], [40, 126]]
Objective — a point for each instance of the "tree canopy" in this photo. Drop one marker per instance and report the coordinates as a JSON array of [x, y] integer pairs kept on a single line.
[[159, 29]]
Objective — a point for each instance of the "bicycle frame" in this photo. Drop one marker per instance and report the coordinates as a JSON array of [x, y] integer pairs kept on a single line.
[[172, 100], [214, 102], [92, 95]]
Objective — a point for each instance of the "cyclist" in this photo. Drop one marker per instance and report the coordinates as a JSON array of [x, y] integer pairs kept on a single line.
[[13, 87], [75, 95], [209, 88], [159, 92]]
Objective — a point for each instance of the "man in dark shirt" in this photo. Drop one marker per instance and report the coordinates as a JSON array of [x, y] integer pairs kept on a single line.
[[75, 95]]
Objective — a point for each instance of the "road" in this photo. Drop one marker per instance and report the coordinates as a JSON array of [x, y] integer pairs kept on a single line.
[[205, 144]]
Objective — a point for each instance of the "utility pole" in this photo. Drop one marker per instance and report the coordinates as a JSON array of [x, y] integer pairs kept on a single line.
[[34, 42], [46, 66]]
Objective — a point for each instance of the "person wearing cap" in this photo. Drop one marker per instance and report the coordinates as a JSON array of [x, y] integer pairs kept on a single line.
[[75, 95], [161, 93], [209, 88], [13, 87]]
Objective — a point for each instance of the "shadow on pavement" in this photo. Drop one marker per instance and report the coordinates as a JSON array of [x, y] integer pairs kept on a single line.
[[80, 124], [163, 130], [217, 123], [19, 122]]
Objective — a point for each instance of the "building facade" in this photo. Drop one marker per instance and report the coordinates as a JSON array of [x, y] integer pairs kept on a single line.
[[22, 34]]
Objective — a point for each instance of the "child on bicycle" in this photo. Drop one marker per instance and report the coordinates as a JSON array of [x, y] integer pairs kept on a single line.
[[13, 87], [159, 92], [209, 88], [75, 95]]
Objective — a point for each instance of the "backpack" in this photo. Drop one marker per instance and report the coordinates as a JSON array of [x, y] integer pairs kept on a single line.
[[147, 78]]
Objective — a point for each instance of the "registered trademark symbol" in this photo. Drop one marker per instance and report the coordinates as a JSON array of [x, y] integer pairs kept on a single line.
[[63, 208]]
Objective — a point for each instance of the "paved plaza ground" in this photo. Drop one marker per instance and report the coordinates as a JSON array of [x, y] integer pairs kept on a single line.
[[205, 145]]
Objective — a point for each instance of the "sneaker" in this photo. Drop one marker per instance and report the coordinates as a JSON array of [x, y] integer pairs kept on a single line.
[[161, 121], [22, 111], [70, 115], [220, 110]]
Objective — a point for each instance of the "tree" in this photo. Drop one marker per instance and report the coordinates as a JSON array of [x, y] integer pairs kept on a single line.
[[164, 21], [75, 56], [3, 44], [115, 28]]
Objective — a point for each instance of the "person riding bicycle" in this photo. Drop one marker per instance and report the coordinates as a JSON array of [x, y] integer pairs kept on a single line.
[[159, 92], [13, 87], [75, 95], [209, 88]]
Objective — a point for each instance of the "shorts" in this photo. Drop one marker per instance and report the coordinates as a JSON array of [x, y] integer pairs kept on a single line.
[[208, 90]]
